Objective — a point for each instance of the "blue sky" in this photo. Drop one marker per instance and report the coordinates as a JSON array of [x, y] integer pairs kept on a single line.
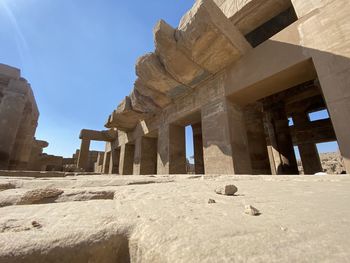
[[79, 56]]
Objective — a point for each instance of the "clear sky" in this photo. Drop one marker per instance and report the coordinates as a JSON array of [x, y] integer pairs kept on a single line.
[[79, 56]]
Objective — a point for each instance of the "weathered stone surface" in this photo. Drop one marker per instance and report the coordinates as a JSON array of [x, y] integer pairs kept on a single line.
[[38, 196], [6, 186], [177, 64], [247, 15], [124, 117], [165, 222], [159, 98], [208, 38], [229, 189], [153, 74], [141, 103]]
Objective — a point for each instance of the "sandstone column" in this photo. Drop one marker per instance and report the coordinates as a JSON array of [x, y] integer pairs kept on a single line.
[[83, 159], [333, 73], [106, 162], [11, 109], [99, 162], [256, 139], [171, 150], [198, 148], [126, 161], [225, 146], [308, 151], [279, 141], [114, 161], [145, 160]]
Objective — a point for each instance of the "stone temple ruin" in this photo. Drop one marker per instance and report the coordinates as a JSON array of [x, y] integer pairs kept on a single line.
[[19, 114], [237, 72]]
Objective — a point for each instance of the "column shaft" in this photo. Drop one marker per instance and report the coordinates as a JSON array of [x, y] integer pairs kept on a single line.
[[83, 159], [224, 139], [279, 140], [198, 148], [145, 160], [333, 73], [171, 150], [126, 159], [256, 139], [308, 151], [114, 161]]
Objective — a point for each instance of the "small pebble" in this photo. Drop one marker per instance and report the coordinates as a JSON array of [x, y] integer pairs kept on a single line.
[[229, 189], [250, 210], [284, 228], [211, 201], [36, 224]]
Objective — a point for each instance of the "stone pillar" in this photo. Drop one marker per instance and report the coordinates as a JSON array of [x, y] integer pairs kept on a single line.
[[334, 78], [256, 139], [11, 109], [171, 150], [99, 162], [225, 146], [308, 151], [106, 162], [279, 141], [83, 159], [198, 148], [126, 161], [145, 159], [114, 161]]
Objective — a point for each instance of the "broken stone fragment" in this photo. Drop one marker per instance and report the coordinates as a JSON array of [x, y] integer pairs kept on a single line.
[[176, 63], [226, 190], [211, 201], [209, 38], [153, 74], [124, 118], [142, 103], [250, 210], [36, 224], [39, 196], [159, 98]]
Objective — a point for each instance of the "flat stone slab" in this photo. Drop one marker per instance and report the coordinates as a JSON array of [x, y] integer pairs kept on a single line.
[[31, 174], [168, 219]]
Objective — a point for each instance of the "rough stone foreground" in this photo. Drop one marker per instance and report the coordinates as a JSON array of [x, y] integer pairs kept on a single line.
[[168, 219]]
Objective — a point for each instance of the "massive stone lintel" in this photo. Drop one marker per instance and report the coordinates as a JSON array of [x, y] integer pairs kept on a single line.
[[124, 118], [177, 64], [141, 103], [157, 97], [319, 131], [152, 73], [103, 136], [208, 38], [249, 14]]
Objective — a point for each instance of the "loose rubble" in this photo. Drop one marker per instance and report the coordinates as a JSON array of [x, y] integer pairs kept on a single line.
[[251, 210], [226, 190]]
